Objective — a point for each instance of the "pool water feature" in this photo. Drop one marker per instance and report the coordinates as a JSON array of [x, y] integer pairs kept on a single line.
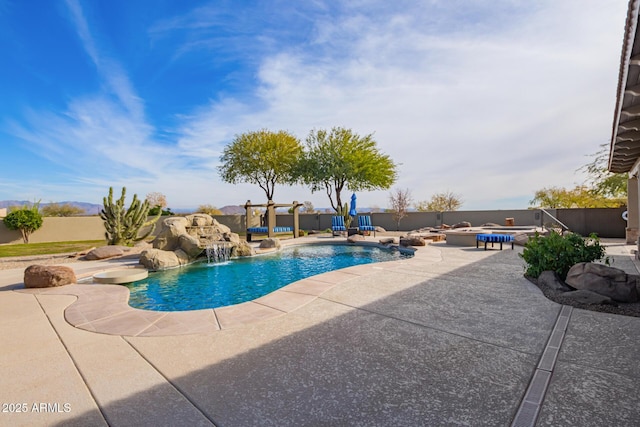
[[211, 285]]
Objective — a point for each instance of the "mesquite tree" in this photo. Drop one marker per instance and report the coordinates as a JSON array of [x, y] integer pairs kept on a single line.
[[123, 225], [341, 159], [262, 157]]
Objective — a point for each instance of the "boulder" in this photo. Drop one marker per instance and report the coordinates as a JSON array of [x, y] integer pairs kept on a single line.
[[170, 231], [48, 276], [270, 243], [387, 241], [355, 238], [199, 220], [242, 249], [588, 297], [190, 245], [412, 241], [104, 252], [520, 239], [551, 280], [157, 259], [183, 257], [490, 224], [462, 224], [604, 280]]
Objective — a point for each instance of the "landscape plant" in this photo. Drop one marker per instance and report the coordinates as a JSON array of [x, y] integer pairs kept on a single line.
[[447, 201], [26, 219], [556, 252], [262, 157], [343, 211], [65, 209], [123, 225], [400, 201], [341, 159]]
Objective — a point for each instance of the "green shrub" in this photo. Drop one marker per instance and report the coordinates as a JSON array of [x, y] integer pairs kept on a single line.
[[26, 219], [559, 253]]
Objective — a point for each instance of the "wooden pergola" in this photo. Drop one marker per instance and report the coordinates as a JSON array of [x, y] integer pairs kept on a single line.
[[271, 216]]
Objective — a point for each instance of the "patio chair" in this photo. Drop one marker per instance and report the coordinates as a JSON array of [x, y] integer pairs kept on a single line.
[[364, 224], [337, 225]]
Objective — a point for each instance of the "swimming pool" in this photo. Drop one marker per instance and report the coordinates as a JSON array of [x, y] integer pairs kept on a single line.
[[203, 285]]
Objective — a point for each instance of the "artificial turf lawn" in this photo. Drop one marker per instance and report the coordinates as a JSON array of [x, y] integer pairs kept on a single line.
[[28, 249]]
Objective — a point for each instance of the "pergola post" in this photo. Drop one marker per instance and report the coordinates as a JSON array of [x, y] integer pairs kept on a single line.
[[296, 220], [248, 215], [271, 218], [633, 211]]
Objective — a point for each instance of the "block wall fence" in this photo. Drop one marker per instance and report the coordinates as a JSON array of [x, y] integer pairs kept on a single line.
[[606, 222]]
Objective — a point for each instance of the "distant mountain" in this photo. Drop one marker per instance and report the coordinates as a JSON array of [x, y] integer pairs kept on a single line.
[[89, 208], [233, 210]]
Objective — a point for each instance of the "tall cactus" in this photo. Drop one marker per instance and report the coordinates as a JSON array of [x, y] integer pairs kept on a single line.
[[123, 225], [344, 212]]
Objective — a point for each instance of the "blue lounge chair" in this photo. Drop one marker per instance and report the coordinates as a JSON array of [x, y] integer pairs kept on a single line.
[[337, 225], [364, 224], [264, 230]]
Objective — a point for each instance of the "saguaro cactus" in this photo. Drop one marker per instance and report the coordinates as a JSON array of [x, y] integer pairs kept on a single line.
[[123, 225]]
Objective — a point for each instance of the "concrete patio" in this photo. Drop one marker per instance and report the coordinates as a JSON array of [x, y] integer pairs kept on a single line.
[[453, 336]]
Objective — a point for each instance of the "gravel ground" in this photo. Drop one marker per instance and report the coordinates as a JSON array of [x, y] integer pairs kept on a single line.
[[8, 263], [24, 262], [625, 309]]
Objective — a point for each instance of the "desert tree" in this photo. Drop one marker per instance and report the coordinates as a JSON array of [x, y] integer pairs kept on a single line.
[[209, 210], [308, 207], [341, 159], [581, 196], [600, 181], [26, 219], [64, 209], [262, 157], [400, 201], [156, 199], [445, 201]]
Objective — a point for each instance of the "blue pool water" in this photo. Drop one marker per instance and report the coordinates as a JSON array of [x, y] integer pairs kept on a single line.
[[203, 285]]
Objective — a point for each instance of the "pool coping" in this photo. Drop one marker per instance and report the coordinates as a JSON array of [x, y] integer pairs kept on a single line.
[[104, 308]]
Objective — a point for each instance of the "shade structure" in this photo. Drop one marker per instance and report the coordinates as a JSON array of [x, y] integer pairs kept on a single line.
[[352, 210]]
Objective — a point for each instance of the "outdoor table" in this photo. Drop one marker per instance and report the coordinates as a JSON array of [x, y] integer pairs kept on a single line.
[[493, 238]]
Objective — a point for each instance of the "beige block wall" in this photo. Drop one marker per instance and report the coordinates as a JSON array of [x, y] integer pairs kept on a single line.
[[59, 229], [91, 227]]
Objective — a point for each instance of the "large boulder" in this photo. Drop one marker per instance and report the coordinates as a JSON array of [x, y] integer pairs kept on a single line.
[[551, 280], [171, 229], [604, 280], [412, 241], [157, 259], [48, 276], [270, 243], [462, 224], [199, 220], [355, 238], [242, 249], [190, 245], [104, 252]]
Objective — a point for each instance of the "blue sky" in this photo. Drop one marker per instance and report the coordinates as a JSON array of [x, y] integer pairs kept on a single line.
[[489, 99]]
